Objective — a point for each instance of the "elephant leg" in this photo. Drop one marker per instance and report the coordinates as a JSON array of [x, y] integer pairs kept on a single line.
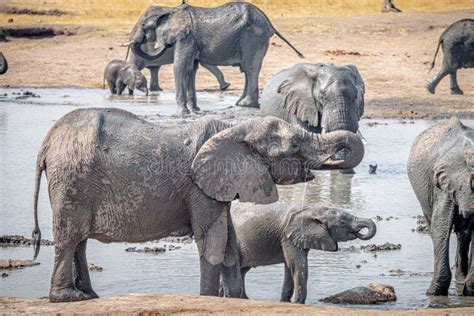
[[441, 224], [246, 85], [209, 277], [431, 86], [461, 261], [192, 100], [119, 86], [469, 283], [130, 91], [218, 74], [183, 65], [154, 80], [454, 83], [287, 290], [297, 261], [243, 273], [81, 271]]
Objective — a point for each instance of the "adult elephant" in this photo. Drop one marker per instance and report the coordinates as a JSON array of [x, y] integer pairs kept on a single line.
[[457, 42], [318, 97], [235, 34], [166, 58], [117, 178], [283, 233], [3, 64], [441, 172]]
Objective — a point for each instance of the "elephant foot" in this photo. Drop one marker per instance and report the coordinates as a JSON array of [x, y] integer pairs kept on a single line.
[[248, 102], [68, 295], [155, 88], [87, 290], [430, 88], [468, 290], [437, 291], [194, 108], [457, 91], [182, 110], [224, 86]]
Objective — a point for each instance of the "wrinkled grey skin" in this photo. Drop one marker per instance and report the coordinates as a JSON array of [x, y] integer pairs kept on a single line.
[[284, 233], [457, 42], [318, 97], [3, 64], [117, 178], [441, 172], [120, 75], [235, 34], [166, 58]]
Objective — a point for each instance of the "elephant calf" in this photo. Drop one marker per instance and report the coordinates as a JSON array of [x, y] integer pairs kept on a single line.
[[283, 233], [441, 172], [120, 75]]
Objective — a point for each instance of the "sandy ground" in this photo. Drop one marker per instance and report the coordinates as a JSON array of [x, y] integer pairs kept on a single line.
[[392, 52], [155, 304]]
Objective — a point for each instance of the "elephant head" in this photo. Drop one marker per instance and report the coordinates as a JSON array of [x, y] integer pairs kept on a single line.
[[322, 228], [454, 174], [164, 28], [323, 97], [134, 79], [248, 160], [3, 64]]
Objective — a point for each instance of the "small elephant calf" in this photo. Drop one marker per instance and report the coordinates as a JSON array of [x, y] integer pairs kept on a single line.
[[120, 74], [283, 233]]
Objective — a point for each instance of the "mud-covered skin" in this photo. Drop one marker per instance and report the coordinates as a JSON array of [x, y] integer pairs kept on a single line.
[[441, 172], [234, 34], [137, 34], [457, 43], [317, 97], [115, 177], [3, 64], [372, 293], [120, 75], [284, 233]]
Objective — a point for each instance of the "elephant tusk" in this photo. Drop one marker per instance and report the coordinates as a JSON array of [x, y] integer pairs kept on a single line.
[[364, 140], [126, 44]]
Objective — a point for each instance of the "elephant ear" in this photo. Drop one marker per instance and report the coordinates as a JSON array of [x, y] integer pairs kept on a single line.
[[172, 27], [298, 98], [307, 232], [226, 169], [359, 83], [441, 178]]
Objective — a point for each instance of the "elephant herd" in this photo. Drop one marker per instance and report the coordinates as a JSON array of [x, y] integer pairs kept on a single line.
[[115, 177]]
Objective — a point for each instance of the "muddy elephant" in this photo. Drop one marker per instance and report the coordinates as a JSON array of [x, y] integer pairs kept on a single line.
[[235, 34], [441, 172], [114, 177], [3, 64], [166, 58], [120, 74], [318, 97], [284, 233], [457, 42]]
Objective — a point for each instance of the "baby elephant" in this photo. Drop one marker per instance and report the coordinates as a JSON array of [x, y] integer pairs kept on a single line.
[[120, 75], [282, 233]]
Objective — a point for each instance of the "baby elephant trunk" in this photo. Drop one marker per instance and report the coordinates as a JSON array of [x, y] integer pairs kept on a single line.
[[361, 223]]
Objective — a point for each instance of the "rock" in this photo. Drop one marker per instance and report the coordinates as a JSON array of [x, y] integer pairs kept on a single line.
[[4, 275], [372, 293], [16, 264], [26, 95], [378, 218], [386, 246], [94, 267], [17, 240], [147, 249], [422, 225], [182, 240], [372, 169]]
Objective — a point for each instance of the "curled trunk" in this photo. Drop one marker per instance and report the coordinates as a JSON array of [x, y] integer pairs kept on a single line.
[[361, 223], [137, 50], [334, 142]]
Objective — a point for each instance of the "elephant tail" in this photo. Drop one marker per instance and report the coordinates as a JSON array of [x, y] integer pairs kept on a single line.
[[300, 55], [128, 51], [436, 54], [36, 235]]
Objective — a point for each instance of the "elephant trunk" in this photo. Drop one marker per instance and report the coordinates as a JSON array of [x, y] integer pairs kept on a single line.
[[137, 50], [340, 114], [361, 223], [3, 64], [331, 143]]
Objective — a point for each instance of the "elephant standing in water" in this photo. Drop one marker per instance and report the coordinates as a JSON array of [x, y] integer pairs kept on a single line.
[[283, 233], [117, 178], [457, 42], [234, 34], [441, 172], [3, 64], [137, 35]]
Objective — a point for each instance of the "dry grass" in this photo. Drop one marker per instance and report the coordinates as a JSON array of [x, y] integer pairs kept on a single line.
[[109, 14]]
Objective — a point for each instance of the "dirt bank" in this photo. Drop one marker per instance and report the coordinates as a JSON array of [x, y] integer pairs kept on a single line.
[[155, 304]]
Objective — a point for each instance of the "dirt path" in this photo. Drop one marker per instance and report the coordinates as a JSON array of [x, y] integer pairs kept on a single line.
[[155, 304], [392, 52]]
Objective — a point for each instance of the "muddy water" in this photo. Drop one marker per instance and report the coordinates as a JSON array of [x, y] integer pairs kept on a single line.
[[24, 123]]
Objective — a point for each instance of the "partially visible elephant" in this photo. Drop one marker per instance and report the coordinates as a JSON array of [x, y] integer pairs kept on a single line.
[[284, 233], [235, 34], [116, 178], [318, 97], [166, 58], [441, 172], [457, 42], [3, 64], [120, 74]]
